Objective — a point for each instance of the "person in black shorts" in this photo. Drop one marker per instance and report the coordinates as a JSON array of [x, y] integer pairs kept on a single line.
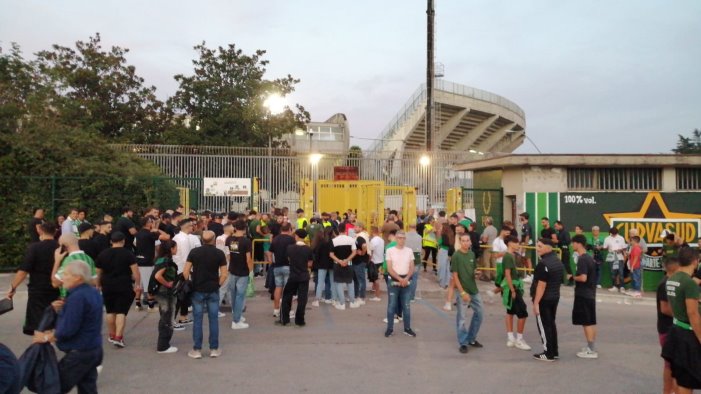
[[665, 321], [584, 309], [38, 263], [116, 268], [512, 289]]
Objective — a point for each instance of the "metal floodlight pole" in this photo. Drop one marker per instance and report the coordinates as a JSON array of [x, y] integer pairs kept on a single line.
[[430, 74]]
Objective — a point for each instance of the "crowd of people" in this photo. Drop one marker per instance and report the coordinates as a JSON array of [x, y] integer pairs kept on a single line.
[[187, 265]]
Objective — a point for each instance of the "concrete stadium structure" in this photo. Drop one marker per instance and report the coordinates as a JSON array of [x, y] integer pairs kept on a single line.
[[466, 119]]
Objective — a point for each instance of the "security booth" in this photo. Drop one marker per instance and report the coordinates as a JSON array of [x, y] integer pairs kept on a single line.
[[650, 193]]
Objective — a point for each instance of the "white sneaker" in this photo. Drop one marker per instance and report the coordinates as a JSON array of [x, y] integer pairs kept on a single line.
[[528, 279], [598, 286], [396, 321], [361, 301], [171, 349], [521, 344], [447, 307], [375, 299], [196, 354], [340, 307], [588, 353], [221, 314], [328, 301], [292, 314], [276, 313], [510, 342], [355, 305], [239, 326], [613, 289], [214, 353], [315, 303], [99, 369]]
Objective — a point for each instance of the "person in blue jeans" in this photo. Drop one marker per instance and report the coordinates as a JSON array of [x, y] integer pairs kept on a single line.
[[206, 265], [240, 265], [462, 265], [400, 267], [360, 261]]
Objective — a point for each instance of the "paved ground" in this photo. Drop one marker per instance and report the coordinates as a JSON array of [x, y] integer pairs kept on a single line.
[[346, 352]]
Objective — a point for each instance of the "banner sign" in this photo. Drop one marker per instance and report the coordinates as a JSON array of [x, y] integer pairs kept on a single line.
[[227, 187], [649, 212], [345, 173]]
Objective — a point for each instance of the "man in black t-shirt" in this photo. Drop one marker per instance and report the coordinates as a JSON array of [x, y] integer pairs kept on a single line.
[[584, 309], [38, 263], [102, 236], [145, 251], [206, 265], [360, 261], [34, 223], [342, 253], [281, 265], [216, 226], [166, 225], [126, 226], [240, 265], [85, 242], [300, 259], [548, 232], [545, 292], [563, 242], [116, 268]]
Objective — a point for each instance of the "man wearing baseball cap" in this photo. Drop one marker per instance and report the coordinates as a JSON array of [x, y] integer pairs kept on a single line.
[[545, 292]]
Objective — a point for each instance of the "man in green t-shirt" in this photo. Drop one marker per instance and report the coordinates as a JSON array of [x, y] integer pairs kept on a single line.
[[512, 296], [67, 252], [682, 349], [462, 266]]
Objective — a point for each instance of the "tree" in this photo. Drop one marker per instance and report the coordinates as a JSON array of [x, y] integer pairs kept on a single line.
[[689, 145], [221, 103], [18, 89], [96, 89]]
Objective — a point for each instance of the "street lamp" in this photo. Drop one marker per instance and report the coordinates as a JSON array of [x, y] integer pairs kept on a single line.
[[276, 105], [424, 160], [315, 158]]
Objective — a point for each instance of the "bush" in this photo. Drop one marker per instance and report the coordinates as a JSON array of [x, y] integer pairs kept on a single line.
[[56, 167]]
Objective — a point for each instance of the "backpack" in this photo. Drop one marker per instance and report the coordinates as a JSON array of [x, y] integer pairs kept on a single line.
[[153, 284]]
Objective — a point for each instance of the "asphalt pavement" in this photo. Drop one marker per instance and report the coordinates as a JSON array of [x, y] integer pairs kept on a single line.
[[346, 352]]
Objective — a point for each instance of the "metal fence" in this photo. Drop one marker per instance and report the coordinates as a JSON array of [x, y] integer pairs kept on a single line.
[[281, 170]]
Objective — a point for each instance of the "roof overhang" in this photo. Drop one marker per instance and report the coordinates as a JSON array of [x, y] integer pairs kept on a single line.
[[582, 160]]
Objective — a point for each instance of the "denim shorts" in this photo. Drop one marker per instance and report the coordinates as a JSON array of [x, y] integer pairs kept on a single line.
[[281, 276]]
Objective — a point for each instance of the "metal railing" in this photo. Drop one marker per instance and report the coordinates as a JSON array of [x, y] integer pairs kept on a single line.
[[417, 101], [281, 174]]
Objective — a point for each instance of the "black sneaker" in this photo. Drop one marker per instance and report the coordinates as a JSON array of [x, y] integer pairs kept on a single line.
[[389, 333], [543, 357], [409, 332], [463, 349], [185, 322], [475, 344]]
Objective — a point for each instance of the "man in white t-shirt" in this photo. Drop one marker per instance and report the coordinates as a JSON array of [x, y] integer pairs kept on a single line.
[[616, 246], [185, 242], [499, 249], [377, 258], [400, 266], [224, 294]]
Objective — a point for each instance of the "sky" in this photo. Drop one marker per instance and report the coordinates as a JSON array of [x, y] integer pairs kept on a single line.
[[592, 76]]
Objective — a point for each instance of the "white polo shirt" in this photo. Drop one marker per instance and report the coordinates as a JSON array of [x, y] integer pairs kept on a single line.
[[401, 259]]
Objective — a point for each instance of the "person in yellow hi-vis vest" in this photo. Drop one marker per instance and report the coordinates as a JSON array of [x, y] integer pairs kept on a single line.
[[430, 243], [302, 222]]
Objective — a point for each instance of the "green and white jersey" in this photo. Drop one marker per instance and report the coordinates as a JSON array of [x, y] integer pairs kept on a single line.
[[75, 256]]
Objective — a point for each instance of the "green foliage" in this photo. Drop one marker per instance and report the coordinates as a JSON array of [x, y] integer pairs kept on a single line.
[[93, 88], [222, 102], [689, 145]]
